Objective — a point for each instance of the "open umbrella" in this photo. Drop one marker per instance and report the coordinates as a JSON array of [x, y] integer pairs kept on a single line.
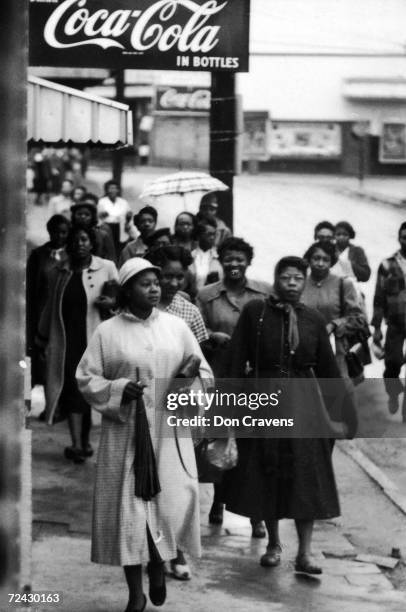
[[181, 183]]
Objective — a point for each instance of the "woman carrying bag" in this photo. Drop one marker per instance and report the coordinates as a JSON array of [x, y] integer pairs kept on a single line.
[[284, 341], [137, 354], [337, 301]]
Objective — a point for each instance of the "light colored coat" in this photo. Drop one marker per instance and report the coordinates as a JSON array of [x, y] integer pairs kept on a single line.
[[157, 346], [51, 331]]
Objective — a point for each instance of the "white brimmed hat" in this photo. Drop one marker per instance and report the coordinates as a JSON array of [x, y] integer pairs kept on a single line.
[[134, 266]]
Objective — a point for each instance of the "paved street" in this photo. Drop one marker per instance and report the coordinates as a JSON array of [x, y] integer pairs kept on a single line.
[[228, 575], [277, 214]]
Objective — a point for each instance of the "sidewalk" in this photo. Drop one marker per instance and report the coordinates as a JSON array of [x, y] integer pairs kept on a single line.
[[227, 576], [384, 190]]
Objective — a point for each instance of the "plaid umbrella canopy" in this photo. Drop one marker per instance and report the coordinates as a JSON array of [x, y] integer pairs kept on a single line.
[[181, 183]]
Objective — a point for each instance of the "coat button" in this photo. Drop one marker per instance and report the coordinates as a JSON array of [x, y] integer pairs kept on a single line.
[[91, 286]]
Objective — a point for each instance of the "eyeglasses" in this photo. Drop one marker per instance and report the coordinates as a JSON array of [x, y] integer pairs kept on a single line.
[[296, 277]]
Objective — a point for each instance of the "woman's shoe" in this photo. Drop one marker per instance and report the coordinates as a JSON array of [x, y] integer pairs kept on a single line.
[[144, 605], [181, 571], [216, 514], [75, 454], [258, 530], [87, 450], [304, 565], [272, 557], [157, 585]]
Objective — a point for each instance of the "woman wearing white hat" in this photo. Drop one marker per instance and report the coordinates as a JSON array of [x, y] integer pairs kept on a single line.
[[138, 353]]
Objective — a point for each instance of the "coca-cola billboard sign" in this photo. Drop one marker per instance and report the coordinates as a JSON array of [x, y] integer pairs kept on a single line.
[[184, 100], [153, 34]]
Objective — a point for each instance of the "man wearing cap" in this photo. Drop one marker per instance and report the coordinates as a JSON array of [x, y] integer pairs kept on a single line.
[[208, 212], [390, 305]]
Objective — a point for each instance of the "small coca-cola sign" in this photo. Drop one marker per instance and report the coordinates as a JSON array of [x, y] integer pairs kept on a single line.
[[153, 34], [182, 100]]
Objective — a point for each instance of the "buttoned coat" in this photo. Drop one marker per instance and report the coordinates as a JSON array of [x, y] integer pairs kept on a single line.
[[293, 478], [123, 349], [51, 331]]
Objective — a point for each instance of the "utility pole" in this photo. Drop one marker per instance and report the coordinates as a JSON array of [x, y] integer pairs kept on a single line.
[[118, 155], [223, 133], [13, 150]]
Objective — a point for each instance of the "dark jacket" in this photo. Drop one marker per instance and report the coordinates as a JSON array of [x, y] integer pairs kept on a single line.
[[359, 263], [390, 294], [51, 330], [293, 477]]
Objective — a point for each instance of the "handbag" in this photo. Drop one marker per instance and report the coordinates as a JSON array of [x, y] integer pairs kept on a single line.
[[358, 353], [215, 456], [355, 365]]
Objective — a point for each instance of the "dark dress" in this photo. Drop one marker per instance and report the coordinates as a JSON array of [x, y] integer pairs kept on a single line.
[[74, 308], [285, 477], [40, 264]]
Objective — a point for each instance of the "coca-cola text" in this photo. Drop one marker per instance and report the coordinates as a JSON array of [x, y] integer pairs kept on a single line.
[[144, 29]]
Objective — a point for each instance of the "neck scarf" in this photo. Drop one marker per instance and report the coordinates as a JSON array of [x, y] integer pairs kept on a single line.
[[290, 310]]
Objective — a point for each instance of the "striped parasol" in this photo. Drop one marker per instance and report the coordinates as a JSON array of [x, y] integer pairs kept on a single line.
[[181, 183]]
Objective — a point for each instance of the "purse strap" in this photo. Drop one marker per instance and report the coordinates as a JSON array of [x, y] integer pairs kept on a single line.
[[260, 325], [181, 458], [341, 291]]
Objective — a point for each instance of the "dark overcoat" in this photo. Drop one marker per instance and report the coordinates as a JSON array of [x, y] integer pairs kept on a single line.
[[285, 477]]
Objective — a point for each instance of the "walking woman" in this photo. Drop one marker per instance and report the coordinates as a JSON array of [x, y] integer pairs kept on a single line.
[[288, 477], [145, 221], [335, 298], [138, 353], [40, 263], [73, 310], [184, 231], [206, 267], [173, 262], [116, 212], [352, 261], [221, 304], [84, 214]]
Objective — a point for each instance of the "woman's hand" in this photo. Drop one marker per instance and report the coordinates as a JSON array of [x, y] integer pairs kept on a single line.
[[133, 391], [220, 338]]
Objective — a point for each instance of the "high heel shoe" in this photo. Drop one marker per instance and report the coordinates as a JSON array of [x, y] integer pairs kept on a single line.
[[87, 450], [304, 565], [75, 454], [272, 557], [157, 585], [144, 605]]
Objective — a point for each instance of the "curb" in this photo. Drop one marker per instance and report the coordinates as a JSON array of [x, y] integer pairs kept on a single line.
[[374, 197], [389, 488]]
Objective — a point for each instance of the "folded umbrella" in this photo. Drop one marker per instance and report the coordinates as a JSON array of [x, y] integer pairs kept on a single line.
[[145, 470]]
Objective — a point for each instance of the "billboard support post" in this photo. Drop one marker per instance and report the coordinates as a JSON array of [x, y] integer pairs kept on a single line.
[[223, 132]]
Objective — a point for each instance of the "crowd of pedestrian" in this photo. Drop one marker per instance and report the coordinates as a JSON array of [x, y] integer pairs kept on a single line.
[[118, 308]]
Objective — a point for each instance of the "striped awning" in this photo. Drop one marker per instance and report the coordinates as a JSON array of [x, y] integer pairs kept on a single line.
[[62, 115]]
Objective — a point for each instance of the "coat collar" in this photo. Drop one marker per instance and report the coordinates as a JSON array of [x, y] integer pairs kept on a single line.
[[218, 288], [126, 314], [95, 264], [275, 301]]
